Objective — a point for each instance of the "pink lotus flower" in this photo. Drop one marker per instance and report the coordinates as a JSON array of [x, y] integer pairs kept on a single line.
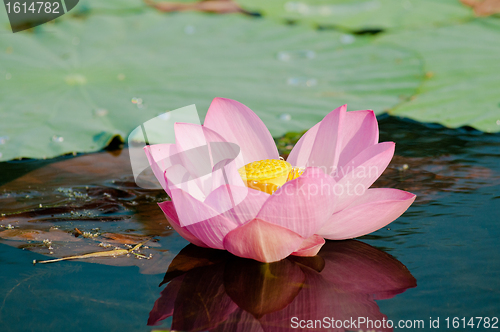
[[257, 206]]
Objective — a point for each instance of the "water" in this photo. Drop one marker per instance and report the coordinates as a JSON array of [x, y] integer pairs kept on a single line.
[[4, 139], [347, 39], [296, 55], [446, 245], [302, 81], [285, 117], [138, 102], [58, 139], [100, 112]]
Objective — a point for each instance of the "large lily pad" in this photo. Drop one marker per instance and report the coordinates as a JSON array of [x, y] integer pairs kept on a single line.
[[363, 14], [73, 85], [462, 75]]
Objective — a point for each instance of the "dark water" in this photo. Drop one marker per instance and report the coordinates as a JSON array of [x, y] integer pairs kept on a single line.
[[440, 259]]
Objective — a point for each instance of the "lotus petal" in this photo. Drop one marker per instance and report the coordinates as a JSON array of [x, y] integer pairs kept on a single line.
[[302, 205], [169, 210], [359, 131], [201, 150], [239, 124], [238, 204], [299, 156], [262, 241], [160, 157], [201, 220], [375, 209], [328, 141], [310, 246], [363, 171]]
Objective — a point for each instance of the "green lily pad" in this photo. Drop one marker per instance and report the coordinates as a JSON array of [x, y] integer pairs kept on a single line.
[[462, 75], [363, 14], [75, 84]]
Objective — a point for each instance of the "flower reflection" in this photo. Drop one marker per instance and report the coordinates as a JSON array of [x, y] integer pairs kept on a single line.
[[213, 290]]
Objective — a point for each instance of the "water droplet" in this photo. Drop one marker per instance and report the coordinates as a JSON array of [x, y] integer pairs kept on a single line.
[[325, 10], [285, 117], [343, 8], [76, 41], [4, 139], [164, 116], [302, 81], [189, 30], [120, 77], [297, 7], [498, 122], [58, 139], [296, 55], [403, 168], [75, 79], [40, 205], [100, 112], [347, 39], [137, 102]]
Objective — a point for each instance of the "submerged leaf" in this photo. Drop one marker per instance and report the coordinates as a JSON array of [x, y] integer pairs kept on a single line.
[[83, 204]]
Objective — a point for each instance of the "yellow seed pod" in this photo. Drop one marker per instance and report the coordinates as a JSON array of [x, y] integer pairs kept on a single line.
[[265, 170], [266, 175]]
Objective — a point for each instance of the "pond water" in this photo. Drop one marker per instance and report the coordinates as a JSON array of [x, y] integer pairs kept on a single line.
[[440, 259]]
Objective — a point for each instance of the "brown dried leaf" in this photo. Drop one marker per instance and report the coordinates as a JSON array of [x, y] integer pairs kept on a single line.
[[36, 235], [483, 8], [123, 238], [211, 6]]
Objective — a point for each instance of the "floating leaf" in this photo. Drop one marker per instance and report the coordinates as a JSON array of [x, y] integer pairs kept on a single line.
[[90, 79], [98, 254], [461, 86], [362, 14]]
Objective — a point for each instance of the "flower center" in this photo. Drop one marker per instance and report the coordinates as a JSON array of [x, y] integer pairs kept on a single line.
[[269, 174]]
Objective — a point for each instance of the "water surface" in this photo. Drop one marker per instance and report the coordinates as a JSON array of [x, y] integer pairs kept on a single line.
[[440, 259]]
